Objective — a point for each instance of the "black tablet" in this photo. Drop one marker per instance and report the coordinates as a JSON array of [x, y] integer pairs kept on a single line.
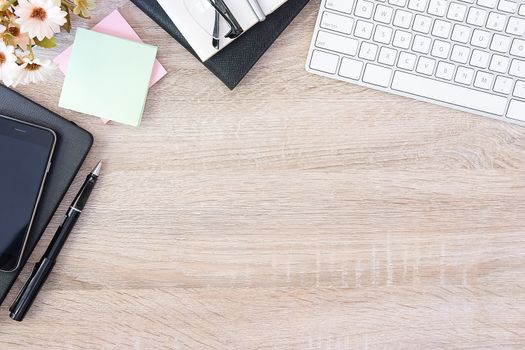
[[26, 151]]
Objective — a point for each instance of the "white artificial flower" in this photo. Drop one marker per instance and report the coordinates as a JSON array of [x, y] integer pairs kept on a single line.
[[34, 71], [21, 39], [39, 18], [8, 67], [2, 29]]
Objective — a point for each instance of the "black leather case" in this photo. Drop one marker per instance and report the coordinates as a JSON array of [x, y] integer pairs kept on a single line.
[[73, 144], [235, 60]]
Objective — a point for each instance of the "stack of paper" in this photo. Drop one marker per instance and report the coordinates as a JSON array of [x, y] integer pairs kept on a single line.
[[107, 76], [200, 39], [116, 25]]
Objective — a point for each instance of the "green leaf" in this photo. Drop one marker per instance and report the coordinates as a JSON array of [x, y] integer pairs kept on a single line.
[[67, 25], [9, 39], [46, 43], [7, 5]]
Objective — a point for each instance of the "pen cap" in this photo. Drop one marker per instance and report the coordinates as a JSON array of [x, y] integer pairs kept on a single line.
[[27, 295]]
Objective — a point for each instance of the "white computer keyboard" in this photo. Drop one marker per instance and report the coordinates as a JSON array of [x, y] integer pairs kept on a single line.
[[465, 54]]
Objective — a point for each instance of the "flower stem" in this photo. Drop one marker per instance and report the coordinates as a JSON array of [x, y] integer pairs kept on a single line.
[[30, 49]]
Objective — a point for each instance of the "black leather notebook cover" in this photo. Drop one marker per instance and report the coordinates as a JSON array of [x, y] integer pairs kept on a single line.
[[233, 62], [72, 146]]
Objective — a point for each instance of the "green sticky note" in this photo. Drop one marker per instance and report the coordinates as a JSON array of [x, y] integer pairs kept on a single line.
[[108, 77]]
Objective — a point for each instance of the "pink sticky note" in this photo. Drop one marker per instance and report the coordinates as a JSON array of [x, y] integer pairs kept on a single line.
[[116, 25]]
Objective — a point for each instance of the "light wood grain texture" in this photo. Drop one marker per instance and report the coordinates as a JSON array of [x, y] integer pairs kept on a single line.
[[295, 212]]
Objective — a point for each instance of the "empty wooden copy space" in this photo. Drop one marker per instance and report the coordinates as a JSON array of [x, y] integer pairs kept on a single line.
[[295, 212]]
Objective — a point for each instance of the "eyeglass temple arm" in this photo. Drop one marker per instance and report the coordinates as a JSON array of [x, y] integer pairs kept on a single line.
[[225, 12]]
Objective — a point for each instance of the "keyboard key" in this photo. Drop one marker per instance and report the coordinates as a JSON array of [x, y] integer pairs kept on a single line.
[[457, 12], [350, 68], [522, 10], [387, 56], [487, 3], [476, 17], [480, 59], [422, 24], [406, 61], [464, 75], [503, 85], [340, 5], [324, 62], [499, 63], [519, 89], [377, 75], [364, 9], [507, 6], [445, 70], [363, 30], [483, 80], [437, 7], [460, 54], [383, 14], [421, 44], [400, 3], [440, 49], [517, 68], [426, 65], [461, 33], [500, 43], [516, 110], [368, 51], [518, 48], [441, 28], [516, 26], [338, 23], [496, 21], [403, 19], [338, 43], [480, 38], [417, 5], [383, 34], [449, 93], [402, 39]]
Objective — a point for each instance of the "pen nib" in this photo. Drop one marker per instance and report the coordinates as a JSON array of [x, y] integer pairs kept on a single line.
[[96, 171]]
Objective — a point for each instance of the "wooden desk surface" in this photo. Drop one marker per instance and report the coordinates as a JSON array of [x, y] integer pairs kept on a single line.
[[294, 213]]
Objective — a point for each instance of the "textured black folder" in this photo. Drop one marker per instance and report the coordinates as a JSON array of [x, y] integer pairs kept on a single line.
[[72, 146], [233, 62]]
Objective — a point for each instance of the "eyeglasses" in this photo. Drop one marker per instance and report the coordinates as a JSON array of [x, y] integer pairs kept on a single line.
[[214, 17]]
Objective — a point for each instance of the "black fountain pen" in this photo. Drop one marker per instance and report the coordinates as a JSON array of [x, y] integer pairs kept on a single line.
[[45, 265]]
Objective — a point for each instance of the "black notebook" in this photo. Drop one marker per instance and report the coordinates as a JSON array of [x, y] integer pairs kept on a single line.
[[73, 144], [233, 62]]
